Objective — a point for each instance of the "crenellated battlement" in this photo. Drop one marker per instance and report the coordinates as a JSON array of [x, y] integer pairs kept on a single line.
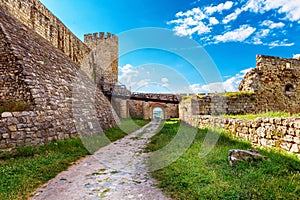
[[91, 37], [105, 61]]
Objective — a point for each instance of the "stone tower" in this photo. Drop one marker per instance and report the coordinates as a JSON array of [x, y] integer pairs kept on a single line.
[[102, 61]]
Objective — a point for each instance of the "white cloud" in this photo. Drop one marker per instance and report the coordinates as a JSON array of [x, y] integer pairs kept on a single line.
[[264, 32], [229, 85], [141, 83], [259, 35], [278, 43], [190, 24], [255, 6], [296, 56], [127, 72], [219, 21], [290, 7], [165, 82], [209, 10], [233, 16], [270, 24], [257, 41], [239, 34], [213, 21], [192, 12]]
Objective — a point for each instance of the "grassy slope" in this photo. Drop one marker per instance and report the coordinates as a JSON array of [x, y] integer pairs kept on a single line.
[[21, 175], [211, 177], [263, 115]]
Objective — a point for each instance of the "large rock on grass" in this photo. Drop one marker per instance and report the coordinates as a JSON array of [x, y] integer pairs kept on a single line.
[[236, 155]]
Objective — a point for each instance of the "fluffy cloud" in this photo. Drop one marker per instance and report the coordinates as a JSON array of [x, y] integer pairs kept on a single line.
[[291, 8], [270, 24], [229, 85], [190, 22], [233, 16], [239, 34], [256, 6], [279, 43], [219, 8], [198, 20], [220, 22], [127, 73], [165, 82], [213, 21], [296, 56]]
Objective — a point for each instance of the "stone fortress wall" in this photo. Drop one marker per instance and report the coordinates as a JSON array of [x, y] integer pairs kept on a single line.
[[40, 59], [33, 70], [145, 108], [276, 84], [101, 64], [37, 17], [272, 86], [282, 133]]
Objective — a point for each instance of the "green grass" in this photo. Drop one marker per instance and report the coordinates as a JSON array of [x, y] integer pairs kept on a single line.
[[13, 106], [236, 94], [211, 177], [263, 115], [28, 168]]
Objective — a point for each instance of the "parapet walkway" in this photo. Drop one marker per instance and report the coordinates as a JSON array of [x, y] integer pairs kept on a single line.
[[115, 172]]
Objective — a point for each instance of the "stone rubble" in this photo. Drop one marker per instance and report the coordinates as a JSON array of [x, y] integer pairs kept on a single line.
[[237, 155]]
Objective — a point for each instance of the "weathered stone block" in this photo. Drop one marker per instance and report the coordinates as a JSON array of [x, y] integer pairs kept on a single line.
[[12, 128], [288, 138], [236, 155], [6, 114], [17, 135], [295, 148]]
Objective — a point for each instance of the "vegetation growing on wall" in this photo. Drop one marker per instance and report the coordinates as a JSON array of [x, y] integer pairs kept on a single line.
[[13, 106], [263, 115]]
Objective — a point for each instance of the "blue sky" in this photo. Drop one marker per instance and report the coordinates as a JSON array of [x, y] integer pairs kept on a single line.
[[231, 33]]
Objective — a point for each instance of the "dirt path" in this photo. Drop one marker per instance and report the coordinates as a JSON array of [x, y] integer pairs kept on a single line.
[[116, 171]]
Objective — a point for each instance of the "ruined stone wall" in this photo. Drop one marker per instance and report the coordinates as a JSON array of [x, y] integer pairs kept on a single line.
[[283, 133], [37, 17], [65, 102], [276, 83], [103, 59], [238, 103]]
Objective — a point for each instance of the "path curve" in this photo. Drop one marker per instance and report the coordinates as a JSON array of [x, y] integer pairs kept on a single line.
[[115, 172]]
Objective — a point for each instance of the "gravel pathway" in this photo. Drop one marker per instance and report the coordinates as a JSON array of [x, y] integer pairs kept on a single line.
[[116, 171]]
